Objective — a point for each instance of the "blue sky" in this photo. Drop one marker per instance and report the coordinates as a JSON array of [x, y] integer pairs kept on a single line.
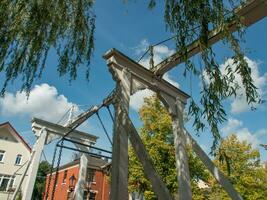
[[130, 28]]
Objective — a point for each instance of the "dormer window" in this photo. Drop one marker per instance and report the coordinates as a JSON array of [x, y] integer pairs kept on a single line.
[[18, 159], [2, 155]]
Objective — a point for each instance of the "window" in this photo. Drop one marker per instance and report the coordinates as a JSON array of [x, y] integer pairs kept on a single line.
[[2, 154], [85, 195], [92, 196], [91, 175], [6, 182], [18, 159], [4, 138], [65, 176]]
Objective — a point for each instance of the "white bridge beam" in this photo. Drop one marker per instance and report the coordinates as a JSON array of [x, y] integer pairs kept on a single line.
[[56, 131], [46, 132], [140, 74], [175, 100]]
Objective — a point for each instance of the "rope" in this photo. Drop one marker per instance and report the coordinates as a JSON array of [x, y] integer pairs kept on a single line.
[[105, 130]]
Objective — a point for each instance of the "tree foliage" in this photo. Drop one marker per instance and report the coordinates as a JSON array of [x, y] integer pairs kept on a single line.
[[30, 28], [246, 173], [157, 137], [39, 186]]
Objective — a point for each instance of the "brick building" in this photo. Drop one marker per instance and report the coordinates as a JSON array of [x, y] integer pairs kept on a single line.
[[96, 188]]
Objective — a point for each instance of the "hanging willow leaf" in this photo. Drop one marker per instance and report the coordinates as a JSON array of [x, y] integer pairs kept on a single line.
[[191, 20], [30, 28]]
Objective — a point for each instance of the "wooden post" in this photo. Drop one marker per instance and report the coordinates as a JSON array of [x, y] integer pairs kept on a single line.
[[37, 149], [176, 108], [181, 154], [119, 171]]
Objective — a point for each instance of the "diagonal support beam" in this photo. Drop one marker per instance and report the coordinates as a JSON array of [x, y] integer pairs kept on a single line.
[[218, 175], [250, 13], [158, 185], [176, 109]]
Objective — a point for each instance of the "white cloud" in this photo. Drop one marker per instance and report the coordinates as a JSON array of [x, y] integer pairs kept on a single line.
[[245, 135], [168, 78], [261, 132], [44, 102], [239, 104], [235, 126], [160, 53], [141, 48], [137, 99], [232, 126]]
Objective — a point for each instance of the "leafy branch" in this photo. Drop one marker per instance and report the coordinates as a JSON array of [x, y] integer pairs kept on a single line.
[[182, 17], [30, 28]]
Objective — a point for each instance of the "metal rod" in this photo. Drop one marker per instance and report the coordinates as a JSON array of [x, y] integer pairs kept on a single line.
[[110, 114], [76, 142], [104, 128], [84, 116], [74, 149]]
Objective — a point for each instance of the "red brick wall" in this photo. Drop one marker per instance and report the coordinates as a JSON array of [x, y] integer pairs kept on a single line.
[[100, 186], [61, 191]]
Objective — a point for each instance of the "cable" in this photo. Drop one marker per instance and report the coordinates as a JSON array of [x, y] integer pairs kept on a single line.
[[143, 55], [163, 41], [82, 151], [64, 115], [44, 156], [102, 124], [86, 145], [172, 37], [110, 114]]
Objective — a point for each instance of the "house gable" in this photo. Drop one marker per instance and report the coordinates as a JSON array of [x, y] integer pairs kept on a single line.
[[8, 132]]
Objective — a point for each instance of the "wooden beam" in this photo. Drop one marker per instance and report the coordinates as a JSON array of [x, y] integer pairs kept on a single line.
[[120, 159], [56, 129], [91, 111], [217, 174], [139, 73], [250, 13], [157, 184]]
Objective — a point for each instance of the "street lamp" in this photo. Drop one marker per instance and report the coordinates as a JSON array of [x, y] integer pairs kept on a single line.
[[72, 181]]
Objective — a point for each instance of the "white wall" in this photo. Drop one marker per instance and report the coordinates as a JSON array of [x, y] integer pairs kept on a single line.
[[12, 148]]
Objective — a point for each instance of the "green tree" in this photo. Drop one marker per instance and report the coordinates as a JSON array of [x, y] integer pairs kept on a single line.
[[29, 29], [39, 186], [244, 170], [157, 137]]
